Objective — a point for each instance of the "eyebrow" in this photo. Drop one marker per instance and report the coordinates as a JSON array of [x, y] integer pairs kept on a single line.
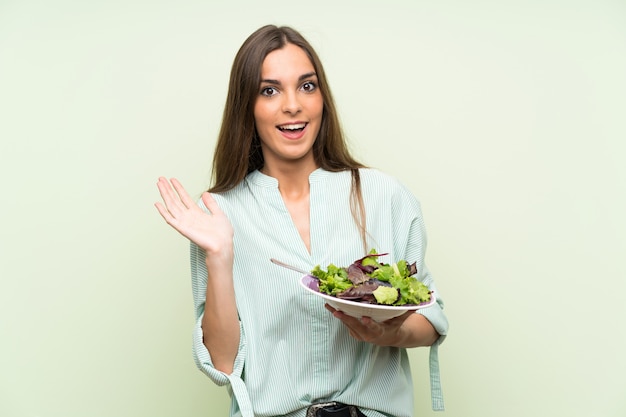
[[300, 78]]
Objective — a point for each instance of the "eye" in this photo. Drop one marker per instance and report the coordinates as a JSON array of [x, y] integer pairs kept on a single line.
[[269, 91], [309, 86]]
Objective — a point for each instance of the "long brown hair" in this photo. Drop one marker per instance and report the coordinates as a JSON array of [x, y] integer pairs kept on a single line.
[[238, 148]]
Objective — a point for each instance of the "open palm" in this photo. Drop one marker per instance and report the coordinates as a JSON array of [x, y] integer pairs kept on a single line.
[[212, 231]]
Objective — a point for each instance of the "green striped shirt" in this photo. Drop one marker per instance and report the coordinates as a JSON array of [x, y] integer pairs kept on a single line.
[[292, 351]]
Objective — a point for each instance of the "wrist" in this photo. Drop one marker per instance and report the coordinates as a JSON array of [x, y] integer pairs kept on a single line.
[[219, 258], [415, 331]]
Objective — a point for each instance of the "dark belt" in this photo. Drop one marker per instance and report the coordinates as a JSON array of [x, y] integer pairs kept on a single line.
[[333, 409]]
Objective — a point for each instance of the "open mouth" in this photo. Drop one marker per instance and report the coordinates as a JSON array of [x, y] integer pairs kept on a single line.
[[295, 127]]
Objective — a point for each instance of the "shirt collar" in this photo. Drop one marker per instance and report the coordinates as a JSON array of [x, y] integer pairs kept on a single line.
[[260, 179]]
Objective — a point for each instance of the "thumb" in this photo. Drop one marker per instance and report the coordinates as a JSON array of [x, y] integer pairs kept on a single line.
[[211, 204]]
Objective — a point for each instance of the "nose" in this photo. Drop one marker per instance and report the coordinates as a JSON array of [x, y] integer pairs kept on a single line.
[[291, 103]]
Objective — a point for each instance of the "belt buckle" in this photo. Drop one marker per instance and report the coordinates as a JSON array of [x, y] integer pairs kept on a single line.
[[313, 408]]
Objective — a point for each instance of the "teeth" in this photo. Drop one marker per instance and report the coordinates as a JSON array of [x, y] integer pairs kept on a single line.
[[292, 127]]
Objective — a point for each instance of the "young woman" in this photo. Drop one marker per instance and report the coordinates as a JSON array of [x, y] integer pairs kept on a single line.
[[285, 186]]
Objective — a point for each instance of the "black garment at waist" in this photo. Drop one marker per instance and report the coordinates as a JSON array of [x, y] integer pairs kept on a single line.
[[333, 409]]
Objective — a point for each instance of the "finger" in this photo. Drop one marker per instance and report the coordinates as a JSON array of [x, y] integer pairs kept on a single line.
[[367, 321], [355, 335], [330, 308], [211, 204], [170, 198], [352, 323], [167, 216], [183, 195], [346, 319]]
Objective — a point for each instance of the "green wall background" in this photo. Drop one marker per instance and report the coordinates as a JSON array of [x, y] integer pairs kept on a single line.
[[506, 118]]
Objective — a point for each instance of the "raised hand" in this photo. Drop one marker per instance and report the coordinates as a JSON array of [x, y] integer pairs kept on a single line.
[[211, 232]]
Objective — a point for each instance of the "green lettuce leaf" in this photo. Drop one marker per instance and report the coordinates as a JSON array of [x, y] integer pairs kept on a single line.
[[385, 295]]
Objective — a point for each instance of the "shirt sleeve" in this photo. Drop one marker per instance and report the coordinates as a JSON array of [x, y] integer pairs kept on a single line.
[[201, 355], [411, 229], [411, 241]]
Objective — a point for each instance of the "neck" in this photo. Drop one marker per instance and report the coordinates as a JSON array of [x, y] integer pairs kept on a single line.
[[293, 180]]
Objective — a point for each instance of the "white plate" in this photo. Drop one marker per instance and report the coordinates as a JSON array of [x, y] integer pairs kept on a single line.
[[356, 309]]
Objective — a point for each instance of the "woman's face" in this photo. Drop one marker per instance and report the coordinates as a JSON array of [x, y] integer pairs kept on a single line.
[[288, 109]]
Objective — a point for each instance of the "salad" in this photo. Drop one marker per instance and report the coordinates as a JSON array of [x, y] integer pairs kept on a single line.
[[369, 281]]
